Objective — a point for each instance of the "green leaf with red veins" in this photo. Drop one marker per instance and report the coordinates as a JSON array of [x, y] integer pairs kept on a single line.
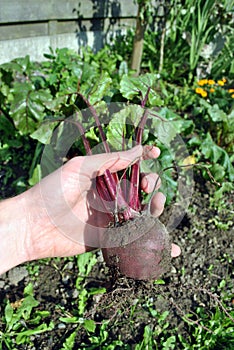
[[132, 87], [98, 90], [123, 124]]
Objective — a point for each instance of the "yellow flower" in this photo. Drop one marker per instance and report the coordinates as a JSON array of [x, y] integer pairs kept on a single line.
[[211, 82], [220, 83], [201, 92], [231, 90], [202, 82], [232, 95], [204, 93], [212, 90], [224, 80], [190, 160]]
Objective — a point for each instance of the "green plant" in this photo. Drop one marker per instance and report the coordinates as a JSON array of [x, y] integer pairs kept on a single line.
[[193, 38], [16, 157], [31, 93], [36, 98], [126, 127], [85, 263], [215, 331], [216, 93], [22, 320], [21, 111]]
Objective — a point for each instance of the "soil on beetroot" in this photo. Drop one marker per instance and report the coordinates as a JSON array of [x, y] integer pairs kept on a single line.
[[193, 281], [144, 258]]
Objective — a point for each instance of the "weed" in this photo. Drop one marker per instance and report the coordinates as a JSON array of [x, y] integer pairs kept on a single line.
[[22, 320]]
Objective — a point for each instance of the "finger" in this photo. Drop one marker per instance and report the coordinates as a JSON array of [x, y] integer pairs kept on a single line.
[[148, 182], [97, 164], [88, 168], [150, 152], [157, 204], [175, 250], [117, 161]]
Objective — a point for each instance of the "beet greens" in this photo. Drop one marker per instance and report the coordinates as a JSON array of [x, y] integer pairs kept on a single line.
[[111, 187]]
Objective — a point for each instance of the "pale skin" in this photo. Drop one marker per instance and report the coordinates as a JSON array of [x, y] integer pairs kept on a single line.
[[42, 221]]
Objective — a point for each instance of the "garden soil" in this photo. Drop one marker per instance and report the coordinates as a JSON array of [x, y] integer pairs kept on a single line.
[[194, 280]]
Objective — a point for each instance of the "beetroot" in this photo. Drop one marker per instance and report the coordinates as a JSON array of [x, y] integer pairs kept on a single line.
[[141, 248], [135, 244]]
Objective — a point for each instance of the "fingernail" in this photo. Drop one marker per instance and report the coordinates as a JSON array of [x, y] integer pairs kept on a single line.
[[175, 250]]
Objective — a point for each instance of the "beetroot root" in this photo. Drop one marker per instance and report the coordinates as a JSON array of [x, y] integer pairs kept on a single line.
[[139, 249]]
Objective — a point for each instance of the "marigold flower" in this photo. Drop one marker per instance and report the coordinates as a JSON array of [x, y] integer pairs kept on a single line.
[[230, 90], [232, 95], [212, 90], [202, 82], [199, 90], [211, 82], [204, 93], [224, 80], [220, 83]]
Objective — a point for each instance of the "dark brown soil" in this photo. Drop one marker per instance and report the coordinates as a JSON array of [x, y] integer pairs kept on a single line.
[[194, 281]]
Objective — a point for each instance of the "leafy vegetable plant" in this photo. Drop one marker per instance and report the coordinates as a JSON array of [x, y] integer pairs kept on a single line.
[[21, 321], [136, 244], [130, 125]]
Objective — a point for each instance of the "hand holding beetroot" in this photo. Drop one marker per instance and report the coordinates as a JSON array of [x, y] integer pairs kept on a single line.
[[29, 233]]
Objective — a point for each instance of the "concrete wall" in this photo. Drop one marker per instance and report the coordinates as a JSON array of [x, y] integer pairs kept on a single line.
[[32, 26]]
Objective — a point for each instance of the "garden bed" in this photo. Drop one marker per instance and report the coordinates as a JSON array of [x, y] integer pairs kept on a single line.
[[196, 296], [186, 85]]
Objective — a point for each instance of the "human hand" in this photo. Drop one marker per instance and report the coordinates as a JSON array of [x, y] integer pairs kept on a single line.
[[75, 217], [62, 216]]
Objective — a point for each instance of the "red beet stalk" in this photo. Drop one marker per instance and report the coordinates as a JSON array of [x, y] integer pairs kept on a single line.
[[108, 184], [121, 208], [134, 199]]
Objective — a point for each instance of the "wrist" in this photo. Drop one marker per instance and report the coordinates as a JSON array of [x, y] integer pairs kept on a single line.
[[13, 229], [39, 227]]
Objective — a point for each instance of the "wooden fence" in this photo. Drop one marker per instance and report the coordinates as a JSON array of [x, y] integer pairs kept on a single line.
[[32, 26]]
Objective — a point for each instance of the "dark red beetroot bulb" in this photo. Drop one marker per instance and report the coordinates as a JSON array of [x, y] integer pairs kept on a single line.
[[139, 249]]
